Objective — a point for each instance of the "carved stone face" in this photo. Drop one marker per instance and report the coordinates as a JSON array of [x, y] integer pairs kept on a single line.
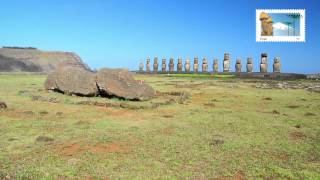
[[226, 66], [264, 60]]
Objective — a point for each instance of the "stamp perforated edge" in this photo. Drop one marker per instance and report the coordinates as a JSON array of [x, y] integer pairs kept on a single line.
[[300, 38]]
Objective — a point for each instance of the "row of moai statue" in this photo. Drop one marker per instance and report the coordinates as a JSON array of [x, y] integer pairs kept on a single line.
[[226, 65]]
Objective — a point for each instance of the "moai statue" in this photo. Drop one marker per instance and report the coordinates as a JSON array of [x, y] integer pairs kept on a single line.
[[266, 24], [155, 65], [164, 65], [179, 65], [148, 65], [226, 62], [195, 65], [141, 67], [187, 65], [238, 66], [171, 65], [204, 65], [264, 63], [249, 65], [215, 66], [276, 65]]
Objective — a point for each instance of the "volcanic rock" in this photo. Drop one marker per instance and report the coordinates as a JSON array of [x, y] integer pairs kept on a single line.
[[120, 83], [72, 80]]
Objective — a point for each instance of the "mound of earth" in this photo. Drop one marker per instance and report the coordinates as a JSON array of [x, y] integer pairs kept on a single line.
[[106, 82], [34, 60]]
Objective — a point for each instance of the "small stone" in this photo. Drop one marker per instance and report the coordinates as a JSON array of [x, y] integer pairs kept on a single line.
[[3, 105]]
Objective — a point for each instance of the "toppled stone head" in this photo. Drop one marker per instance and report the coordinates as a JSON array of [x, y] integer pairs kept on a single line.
[[106, 82]]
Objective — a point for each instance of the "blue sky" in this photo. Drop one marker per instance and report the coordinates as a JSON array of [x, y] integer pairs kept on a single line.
[[292, 29], [120, 33]]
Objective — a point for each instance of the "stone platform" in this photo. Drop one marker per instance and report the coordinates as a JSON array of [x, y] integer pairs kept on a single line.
[[254, 75]]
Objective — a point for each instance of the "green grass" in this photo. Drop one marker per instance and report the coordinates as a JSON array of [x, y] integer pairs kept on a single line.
[[227, 127]]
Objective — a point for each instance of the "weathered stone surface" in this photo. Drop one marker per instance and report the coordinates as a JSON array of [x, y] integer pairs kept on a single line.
[[72, 80], [204, 65], [148, 65], [264, 63], [249, 65], [164, 65], [3, 105], [187, 65], [226, 62], [155, 65], [195, 65], [179, 65], [238, 66], [171, 65], [120, 83], [276, 65], [215, 66]]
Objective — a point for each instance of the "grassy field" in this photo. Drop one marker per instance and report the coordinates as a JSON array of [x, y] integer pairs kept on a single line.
[[226, 129]]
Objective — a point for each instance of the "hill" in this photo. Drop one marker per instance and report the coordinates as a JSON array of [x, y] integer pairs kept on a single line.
[[17, 59]]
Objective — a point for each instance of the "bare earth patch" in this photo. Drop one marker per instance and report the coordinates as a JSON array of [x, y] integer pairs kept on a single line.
[[81, 148]]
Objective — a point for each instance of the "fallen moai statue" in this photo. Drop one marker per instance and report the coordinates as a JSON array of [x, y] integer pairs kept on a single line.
[[106, 82]]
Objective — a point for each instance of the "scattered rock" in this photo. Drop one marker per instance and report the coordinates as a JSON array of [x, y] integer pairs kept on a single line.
[[43, 112], [168, 116], [3, 105], [120, 83], [216, 142], [293, 106], [275, 112], [45, 99], [309, 114], [297, 126], [44, 139], [267, 98]]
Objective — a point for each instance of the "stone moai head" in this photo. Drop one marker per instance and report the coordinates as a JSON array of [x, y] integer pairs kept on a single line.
[[148, 65], [164, 65], [187, 65], [238, 65], [204, 65], [266, 24], [141, 67], [226, 62], [195, 65], [264, 63], [276, 65], [215, 66], [171, 65], [249, 65], [155, 64], [179, 65]]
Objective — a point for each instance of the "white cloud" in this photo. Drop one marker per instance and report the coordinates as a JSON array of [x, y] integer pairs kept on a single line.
[[281, 26]]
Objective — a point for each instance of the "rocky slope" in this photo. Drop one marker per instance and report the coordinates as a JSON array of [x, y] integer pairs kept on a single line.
[[34, 60]]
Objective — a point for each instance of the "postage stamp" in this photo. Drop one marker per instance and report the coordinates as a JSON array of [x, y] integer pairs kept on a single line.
[[280, 25]]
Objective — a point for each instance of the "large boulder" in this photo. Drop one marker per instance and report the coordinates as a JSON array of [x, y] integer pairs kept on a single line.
[[120, 83], [73, 80]]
